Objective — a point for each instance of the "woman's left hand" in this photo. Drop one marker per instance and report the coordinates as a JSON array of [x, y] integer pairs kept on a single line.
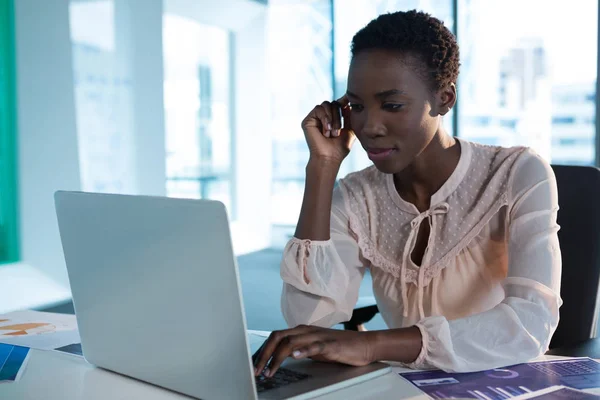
[[321, 344]]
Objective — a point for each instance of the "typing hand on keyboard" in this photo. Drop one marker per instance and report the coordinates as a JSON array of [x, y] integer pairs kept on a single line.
[[321, 344], [282, 377]]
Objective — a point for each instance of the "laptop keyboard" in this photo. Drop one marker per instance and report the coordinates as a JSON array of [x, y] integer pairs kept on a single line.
[[281, 378]]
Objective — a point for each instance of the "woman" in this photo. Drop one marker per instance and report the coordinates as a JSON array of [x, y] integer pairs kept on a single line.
[[460, 238]]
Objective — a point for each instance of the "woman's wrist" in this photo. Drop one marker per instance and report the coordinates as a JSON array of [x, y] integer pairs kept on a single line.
[[402, 345], [322, 162], [322, 173], [315, 213]]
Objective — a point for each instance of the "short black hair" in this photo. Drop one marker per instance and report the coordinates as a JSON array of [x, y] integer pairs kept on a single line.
[[417, 34]]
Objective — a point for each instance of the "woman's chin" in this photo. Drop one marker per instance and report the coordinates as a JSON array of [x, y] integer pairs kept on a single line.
[[388, 166]]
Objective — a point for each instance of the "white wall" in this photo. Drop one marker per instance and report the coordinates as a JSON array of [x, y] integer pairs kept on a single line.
[[48, 157]]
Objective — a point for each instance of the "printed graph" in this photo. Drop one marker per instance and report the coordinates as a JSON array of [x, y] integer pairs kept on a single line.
[[31, 323], [509, 382]]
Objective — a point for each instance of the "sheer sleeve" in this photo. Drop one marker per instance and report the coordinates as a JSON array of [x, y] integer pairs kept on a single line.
[[322, 278], [521, 326]]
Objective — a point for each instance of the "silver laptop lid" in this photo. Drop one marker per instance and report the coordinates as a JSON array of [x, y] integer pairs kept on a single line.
[[156, 291]]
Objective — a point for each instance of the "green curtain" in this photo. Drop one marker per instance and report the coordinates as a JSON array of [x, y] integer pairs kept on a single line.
[[9, 246]]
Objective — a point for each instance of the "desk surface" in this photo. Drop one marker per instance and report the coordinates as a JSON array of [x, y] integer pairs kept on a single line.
[[51, 375]]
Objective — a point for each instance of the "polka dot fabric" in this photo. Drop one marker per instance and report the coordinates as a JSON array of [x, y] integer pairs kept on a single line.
[[381, 219]]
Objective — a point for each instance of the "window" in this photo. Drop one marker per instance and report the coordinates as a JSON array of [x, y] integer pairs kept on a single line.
[[235, 82], [197, 110], [532, 73], [300, 57], [158, 88], [215, 101], [9, 246], [103, 99]]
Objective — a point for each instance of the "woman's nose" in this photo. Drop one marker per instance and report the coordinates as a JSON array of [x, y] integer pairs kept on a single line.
[[373, 127]]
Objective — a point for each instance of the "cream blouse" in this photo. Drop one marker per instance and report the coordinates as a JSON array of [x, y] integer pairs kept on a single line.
[[487, 291]]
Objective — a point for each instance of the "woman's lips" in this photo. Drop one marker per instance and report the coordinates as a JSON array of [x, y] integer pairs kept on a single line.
[[380, 154]]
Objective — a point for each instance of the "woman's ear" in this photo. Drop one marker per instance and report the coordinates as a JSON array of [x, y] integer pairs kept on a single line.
[[446, 98]]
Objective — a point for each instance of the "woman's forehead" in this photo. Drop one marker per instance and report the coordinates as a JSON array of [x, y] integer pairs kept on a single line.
[[373, 72]]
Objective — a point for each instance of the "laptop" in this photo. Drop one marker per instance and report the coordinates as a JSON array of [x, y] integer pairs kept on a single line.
[[157, 296]]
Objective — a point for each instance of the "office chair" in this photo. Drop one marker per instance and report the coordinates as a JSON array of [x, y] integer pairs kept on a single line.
[[579, 237]]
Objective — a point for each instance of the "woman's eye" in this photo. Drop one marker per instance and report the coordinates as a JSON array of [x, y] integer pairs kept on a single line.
[[392, 106], [356, 107]]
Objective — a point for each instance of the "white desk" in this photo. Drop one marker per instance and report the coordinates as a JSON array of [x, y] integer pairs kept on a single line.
[[51, 375]]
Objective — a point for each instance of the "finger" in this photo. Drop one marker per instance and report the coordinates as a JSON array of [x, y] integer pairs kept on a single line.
[[287, 347], [312, 350], [336, 111], [318, 118], [272, 343], [265, 351], [327, 109], [257, 353]]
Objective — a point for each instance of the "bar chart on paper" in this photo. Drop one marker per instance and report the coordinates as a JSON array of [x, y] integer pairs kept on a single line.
[[509, 382]]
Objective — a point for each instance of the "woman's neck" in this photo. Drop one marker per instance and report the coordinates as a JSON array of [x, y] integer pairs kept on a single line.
[[429, 171]]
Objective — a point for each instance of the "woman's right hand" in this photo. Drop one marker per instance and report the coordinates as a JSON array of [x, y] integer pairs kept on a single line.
[[326, 137]]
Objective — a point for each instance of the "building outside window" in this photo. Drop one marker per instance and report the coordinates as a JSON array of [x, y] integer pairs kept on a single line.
[[526, 82]]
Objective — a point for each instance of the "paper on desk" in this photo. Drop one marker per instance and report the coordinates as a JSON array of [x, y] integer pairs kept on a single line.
[[511, 381], [12, 362], [26, 323], [49, 341], [39, 330], [559, 393]]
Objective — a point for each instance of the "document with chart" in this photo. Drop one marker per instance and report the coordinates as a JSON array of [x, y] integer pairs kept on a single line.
[[38, 330], [509, 382]]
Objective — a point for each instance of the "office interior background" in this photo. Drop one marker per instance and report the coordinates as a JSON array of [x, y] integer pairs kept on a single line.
[[204, 99]]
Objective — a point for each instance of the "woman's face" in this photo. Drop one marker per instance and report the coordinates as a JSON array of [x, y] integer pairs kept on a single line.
[[394, 112]]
